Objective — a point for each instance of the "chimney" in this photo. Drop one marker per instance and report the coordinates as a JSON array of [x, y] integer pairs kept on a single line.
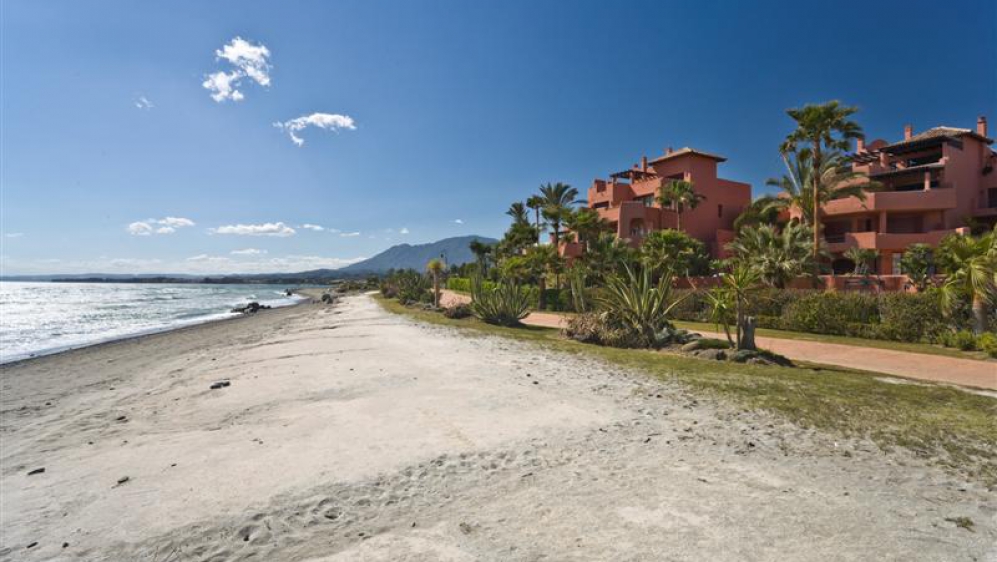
[[643, 163], [860, 144], [668, 151], [907, 131], [981, 125]]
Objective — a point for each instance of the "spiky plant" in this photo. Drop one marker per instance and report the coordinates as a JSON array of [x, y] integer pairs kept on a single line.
[[778, 256], [642, 306], [504, 305]]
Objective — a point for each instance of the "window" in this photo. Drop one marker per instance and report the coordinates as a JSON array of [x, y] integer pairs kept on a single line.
[[720, 211], [896, 269], [646, 200]]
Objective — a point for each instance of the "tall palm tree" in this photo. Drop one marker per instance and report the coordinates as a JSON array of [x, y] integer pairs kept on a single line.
[[435, 268], [557, 201], [607, 255], [682, 194], [777, 256], [518, 213], [970, 265], [536, 203], [835, 180], [821, 127]]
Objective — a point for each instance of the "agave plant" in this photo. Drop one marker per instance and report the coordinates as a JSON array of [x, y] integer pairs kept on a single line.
[[641, 306], [504, 305]]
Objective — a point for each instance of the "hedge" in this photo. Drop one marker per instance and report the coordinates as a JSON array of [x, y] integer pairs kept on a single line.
[[886, 316]]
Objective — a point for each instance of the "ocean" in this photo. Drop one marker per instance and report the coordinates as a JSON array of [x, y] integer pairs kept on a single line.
[[40, 318]]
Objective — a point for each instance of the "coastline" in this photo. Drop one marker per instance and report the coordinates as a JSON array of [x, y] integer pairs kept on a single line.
[[344, 423], [209, 319]]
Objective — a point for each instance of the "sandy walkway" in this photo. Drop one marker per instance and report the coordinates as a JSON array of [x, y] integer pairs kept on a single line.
[[351, 434], [921, 366]]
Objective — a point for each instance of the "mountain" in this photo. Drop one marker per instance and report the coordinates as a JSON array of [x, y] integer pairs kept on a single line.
[[405, 256]]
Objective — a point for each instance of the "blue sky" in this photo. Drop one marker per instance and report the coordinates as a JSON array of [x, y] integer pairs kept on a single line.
[[112, 144]]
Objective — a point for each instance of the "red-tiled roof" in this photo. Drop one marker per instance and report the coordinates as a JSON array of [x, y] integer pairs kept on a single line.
[[685, 151]]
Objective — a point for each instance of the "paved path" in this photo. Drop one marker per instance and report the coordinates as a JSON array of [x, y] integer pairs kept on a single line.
[[921, 366]]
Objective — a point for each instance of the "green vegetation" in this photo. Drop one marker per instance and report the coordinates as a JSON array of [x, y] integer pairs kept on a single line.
[[954, 428], [504, 304], [971, 267], [679, 195]]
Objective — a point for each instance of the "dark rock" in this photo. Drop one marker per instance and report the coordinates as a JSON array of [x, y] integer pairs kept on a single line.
[[123, 480], [220, 384], [121, 418], [36, 471], [32, 545], [65, 545]]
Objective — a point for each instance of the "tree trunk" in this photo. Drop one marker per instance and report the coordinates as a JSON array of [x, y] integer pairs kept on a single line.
[[436, 290], [542, 297], [678, 219], [738, 320], [748, 334], [816, 180], [979, 315], [537, 212]]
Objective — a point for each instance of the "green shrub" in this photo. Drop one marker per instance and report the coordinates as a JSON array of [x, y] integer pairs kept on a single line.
[[987, 342], [964, 340], [713, 343], [910, 317], [829, 313]]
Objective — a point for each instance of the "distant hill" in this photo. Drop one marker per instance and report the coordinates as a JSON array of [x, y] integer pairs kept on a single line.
[[405, 256], [402, 256]]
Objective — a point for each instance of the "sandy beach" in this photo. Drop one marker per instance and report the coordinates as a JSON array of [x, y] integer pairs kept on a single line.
[[348, 433]]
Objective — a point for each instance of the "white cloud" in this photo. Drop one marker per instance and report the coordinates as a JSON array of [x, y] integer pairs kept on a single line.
[[265, 229], [458, 221], [252, 61], [314, 227], [143, 103], [248, 252], [403, 231], [14, 234], [139, 228], [349, 234], [167, 225], [176, 222], [327, 121]]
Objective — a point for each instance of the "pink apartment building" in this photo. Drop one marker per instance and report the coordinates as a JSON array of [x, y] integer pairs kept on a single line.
[[627, 199], [933, 183]]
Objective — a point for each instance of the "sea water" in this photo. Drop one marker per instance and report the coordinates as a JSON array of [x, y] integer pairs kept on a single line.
[[39, 318]]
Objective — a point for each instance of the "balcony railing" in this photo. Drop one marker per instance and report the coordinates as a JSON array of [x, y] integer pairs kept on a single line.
[[932, 199]]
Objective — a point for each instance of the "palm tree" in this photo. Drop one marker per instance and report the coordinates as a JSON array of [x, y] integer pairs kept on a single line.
[[836, 180], [777, 256], [821, 127], [536, 203], [682, 194], [970, 265], [739, 283], [435, 268], [861, 257], [762, 210], [481, 251], [607, 255], [587, 223], [539, 261], [557, 201], [518, 213]]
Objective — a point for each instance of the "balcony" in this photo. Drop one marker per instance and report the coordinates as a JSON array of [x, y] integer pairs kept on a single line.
[[887, 241], [608, 193], [929, 200]]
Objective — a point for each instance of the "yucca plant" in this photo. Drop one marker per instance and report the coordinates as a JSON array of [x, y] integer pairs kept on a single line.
[[576, 281], [641, 305], [504, 305]]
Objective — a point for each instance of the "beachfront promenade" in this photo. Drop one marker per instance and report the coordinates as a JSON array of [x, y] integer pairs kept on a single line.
[[920, 366]]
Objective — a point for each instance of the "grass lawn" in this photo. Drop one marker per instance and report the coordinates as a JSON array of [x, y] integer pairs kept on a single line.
[[924, 348], [956, 429]]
